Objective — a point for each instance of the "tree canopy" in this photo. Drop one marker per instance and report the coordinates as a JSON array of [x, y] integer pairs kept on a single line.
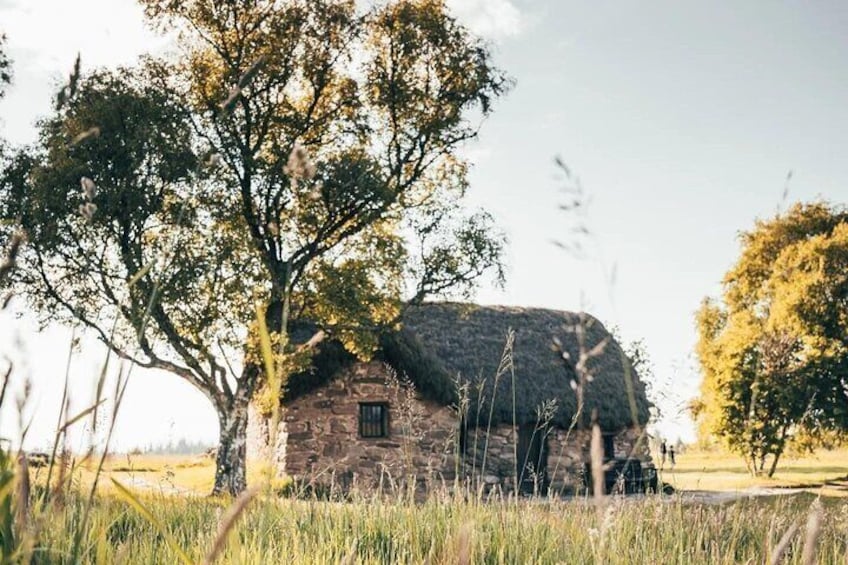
[[774, 350], [301, 155]]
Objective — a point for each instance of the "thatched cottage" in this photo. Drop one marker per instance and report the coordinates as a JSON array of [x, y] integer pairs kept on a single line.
[[476, 393]]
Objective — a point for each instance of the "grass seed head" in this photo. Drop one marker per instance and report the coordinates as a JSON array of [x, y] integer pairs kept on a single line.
[[88, 188], [814, 523]]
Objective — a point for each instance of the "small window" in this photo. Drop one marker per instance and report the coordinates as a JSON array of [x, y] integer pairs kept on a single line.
[[373, 419]]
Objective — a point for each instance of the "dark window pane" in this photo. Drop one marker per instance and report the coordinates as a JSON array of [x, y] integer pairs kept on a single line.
[[373, 420]]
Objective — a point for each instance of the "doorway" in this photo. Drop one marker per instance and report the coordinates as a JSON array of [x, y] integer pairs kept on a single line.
[[532, 464]]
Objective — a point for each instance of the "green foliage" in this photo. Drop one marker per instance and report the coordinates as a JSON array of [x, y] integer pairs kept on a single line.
[[774, 351], [303, 155]]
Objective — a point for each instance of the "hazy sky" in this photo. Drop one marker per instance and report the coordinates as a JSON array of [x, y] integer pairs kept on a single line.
[[681, 120]]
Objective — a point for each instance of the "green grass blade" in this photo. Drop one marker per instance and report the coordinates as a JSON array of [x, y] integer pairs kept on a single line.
[[136, 504]]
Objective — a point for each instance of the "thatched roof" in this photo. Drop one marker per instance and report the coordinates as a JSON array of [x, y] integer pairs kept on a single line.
[[443, 344]]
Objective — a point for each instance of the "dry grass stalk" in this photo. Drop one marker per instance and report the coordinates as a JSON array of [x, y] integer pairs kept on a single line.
[[597, 458], [228, 522], [245, 79], [350, 556], [299, 165], [313, 342], [814, 523], [462, 544], [91, 132], [58, 497], [22, 488], [505, 365], [6, 378], [59, 436], [581, 372], [779, 552]]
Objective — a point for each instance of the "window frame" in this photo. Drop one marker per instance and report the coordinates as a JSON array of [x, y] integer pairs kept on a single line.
[[370, 423]]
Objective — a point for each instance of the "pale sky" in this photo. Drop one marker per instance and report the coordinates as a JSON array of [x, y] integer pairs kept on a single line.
[[681, 119]]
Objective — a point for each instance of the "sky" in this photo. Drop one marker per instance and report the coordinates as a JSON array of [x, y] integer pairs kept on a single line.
[[681, 121]]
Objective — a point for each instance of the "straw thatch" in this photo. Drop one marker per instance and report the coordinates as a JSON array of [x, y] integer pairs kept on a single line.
[[442, 344]]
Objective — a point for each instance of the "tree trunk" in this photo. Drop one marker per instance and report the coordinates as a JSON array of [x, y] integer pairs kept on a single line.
[[778, 452], [231, 459], [774, 463]]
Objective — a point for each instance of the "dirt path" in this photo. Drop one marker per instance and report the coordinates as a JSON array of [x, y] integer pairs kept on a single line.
[[161, 487], [835, 487], [720, 497]]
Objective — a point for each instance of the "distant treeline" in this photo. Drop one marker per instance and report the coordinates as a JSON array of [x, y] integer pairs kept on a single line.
[[181, 447]]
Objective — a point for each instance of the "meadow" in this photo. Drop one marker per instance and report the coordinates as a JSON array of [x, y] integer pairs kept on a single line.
[[823, 473], [185, 525]]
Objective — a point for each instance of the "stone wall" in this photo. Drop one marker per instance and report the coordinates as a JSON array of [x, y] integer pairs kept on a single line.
[[319, 441], [489, 460], [566, 454], [259, 451], [569, 451], [632, 443]]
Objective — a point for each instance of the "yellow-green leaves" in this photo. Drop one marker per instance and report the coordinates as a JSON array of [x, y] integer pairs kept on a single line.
[[773, 350]]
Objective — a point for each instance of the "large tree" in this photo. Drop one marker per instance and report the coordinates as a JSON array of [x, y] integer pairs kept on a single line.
[[302, 155], [774, 350]]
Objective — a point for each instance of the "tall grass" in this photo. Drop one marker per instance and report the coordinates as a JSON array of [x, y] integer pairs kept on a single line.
[[371, 530]]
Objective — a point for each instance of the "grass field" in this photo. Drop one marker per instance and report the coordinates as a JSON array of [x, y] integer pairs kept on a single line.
[[651, 530], [716, 471], [694, 470], [444, 529]]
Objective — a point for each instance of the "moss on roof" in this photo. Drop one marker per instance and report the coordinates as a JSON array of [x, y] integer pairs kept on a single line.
[[442, 344]]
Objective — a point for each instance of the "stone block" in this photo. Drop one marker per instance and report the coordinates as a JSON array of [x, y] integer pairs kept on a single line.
[[339, 425], [331, 450]]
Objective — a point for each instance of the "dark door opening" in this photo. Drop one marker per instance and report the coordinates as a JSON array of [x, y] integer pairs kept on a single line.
[[609, 447], [532, 464]]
